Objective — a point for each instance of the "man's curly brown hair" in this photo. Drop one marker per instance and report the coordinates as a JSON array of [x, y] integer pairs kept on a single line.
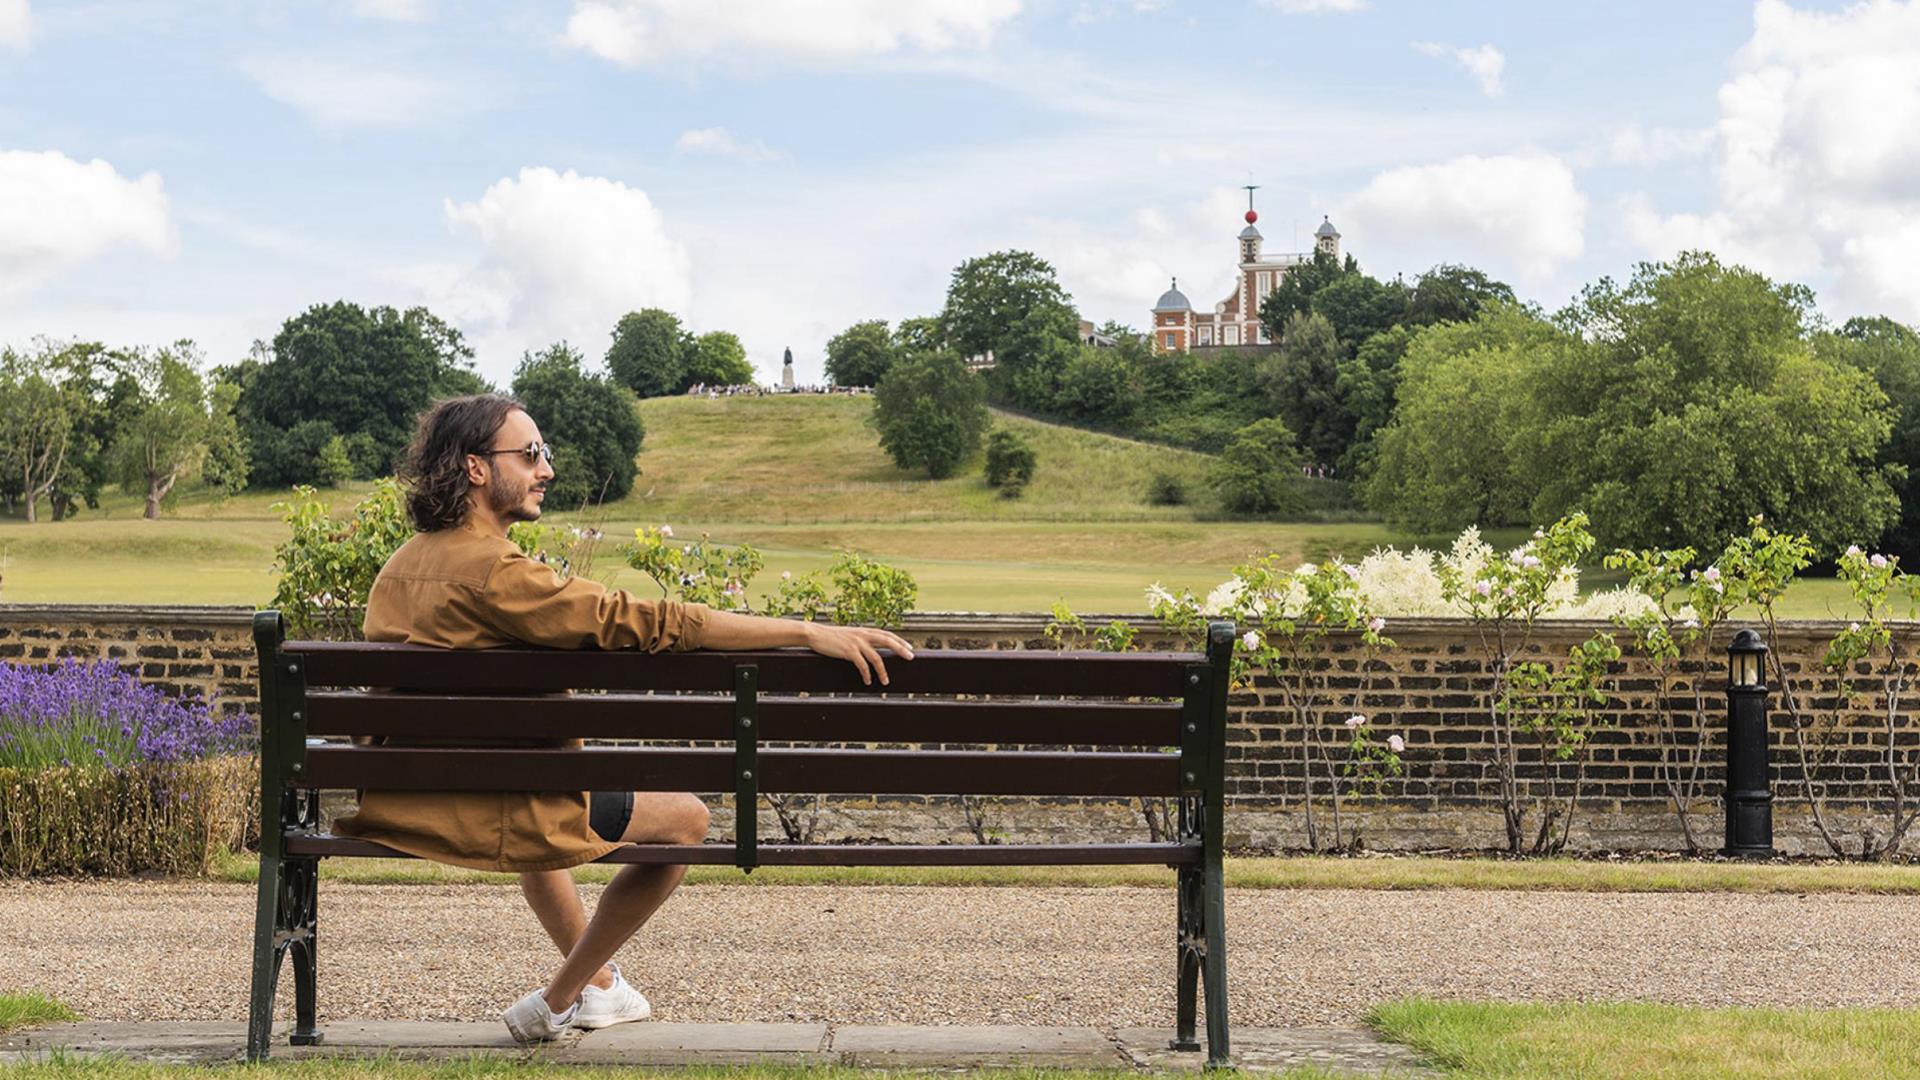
[[435, 468]]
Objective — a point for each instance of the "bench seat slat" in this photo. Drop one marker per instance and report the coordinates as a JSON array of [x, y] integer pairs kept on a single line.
[[831, 854], [793, 719], [802, 771], [932, 671]]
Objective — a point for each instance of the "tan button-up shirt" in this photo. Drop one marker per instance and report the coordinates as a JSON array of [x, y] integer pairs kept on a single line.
[[462, 589]]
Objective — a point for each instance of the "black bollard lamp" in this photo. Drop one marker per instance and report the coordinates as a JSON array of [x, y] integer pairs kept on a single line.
[[1749, 794]]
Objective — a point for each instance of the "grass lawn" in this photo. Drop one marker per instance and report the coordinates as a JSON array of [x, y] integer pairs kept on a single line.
[[1302, 872], [1655, 1042], [800, 478], [23, 1010]]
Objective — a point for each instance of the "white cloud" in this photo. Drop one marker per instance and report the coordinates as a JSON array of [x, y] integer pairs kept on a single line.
[[1522, 211], [720, 142], [56, 212], [1634, 145], [639, 33], [1483, 62], [394, 10], [1310, 7], [563, 256], [340, 95], [16, 24], [1818, 171]]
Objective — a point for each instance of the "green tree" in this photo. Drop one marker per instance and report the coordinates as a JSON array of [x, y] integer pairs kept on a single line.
[[590, 420], [1691, 399], [366, 373], [1447, 460], [718, 359], [1453, 293], [1031, 362], [918, 334], [228, 454], [1100, 384], [1201, 402], [97, 388], [334, 464], [1298, 385], [992, 293], [1358, 307], [862, 353], [1890, 353], [1010, 304], [651, 353], [1256, 474], [930, 412], [169, 431], [1010, 462], [1368, 386], [36, 424], [1294, 295]]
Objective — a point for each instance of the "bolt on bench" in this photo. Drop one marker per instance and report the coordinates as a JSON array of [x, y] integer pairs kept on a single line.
[[1059, 725]]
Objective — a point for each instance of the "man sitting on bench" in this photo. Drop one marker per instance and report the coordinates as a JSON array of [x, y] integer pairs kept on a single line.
[[477, 465]]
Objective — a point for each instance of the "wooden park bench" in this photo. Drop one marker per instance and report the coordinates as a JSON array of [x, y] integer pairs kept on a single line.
[[1057, 724]]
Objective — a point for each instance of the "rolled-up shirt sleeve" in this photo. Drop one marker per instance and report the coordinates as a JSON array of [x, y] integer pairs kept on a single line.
[[525, 600]]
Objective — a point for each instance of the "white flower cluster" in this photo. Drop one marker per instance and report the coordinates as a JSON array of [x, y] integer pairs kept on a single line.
[[1408, 584]]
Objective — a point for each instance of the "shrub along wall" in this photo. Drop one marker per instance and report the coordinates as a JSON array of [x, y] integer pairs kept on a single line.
[[1428, 690]]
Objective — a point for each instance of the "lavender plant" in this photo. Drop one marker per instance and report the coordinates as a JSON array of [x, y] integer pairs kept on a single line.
[[96, 716], [100, 774]]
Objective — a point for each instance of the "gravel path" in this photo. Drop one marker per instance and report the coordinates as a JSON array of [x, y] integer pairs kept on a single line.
[[156, 951]]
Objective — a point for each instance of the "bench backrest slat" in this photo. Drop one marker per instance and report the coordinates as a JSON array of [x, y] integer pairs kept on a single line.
[[797, 771], [932, 671], [710, 717]]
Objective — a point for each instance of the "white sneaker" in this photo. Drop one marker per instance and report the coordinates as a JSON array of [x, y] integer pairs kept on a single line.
[[531, 1020], [617, 1004]]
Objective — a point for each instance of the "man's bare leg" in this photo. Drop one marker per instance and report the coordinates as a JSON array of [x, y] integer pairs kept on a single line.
[[635, 893], [555, 901]]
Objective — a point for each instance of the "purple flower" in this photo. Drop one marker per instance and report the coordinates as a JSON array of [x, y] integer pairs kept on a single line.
[[55, 713]]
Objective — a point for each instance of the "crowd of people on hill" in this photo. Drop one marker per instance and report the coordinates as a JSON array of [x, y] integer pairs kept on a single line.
[[751, 390]]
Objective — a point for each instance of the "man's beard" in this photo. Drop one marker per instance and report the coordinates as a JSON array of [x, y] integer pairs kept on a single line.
[[510, 501]]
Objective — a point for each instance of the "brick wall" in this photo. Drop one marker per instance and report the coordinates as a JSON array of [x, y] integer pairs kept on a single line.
[[183, 649], [1429, 690]]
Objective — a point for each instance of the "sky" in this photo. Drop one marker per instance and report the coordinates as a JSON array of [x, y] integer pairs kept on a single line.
[[783, 168]]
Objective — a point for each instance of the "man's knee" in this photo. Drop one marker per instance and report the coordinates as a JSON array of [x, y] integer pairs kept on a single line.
[[694, 817]]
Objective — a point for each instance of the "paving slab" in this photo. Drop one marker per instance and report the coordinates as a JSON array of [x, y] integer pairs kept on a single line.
[[696, 1044], [376, 1035], [941, 1045], [1347, 1050], [1257, 1049], [177, 1042]]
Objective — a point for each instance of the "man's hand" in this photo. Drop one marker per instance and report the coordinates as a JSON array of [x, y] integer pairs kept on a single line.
[[859, 644]]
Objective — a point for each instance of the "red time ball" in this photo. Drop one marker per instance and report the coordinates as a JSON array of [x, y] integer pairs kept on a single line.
[[1252, 217]]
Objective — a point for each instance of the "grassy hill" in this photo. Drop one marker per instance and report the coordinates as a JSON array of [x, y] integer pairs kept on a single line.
[[815, 459], [801, 478]]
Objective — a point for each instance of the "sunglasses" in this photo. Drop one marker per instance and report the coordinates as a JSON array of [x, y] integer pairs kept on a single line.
[[534, 451]]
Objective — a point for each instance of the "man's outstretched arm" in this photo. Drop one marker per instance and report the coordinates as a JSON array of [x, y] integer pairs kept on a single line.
[[859, 645]]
